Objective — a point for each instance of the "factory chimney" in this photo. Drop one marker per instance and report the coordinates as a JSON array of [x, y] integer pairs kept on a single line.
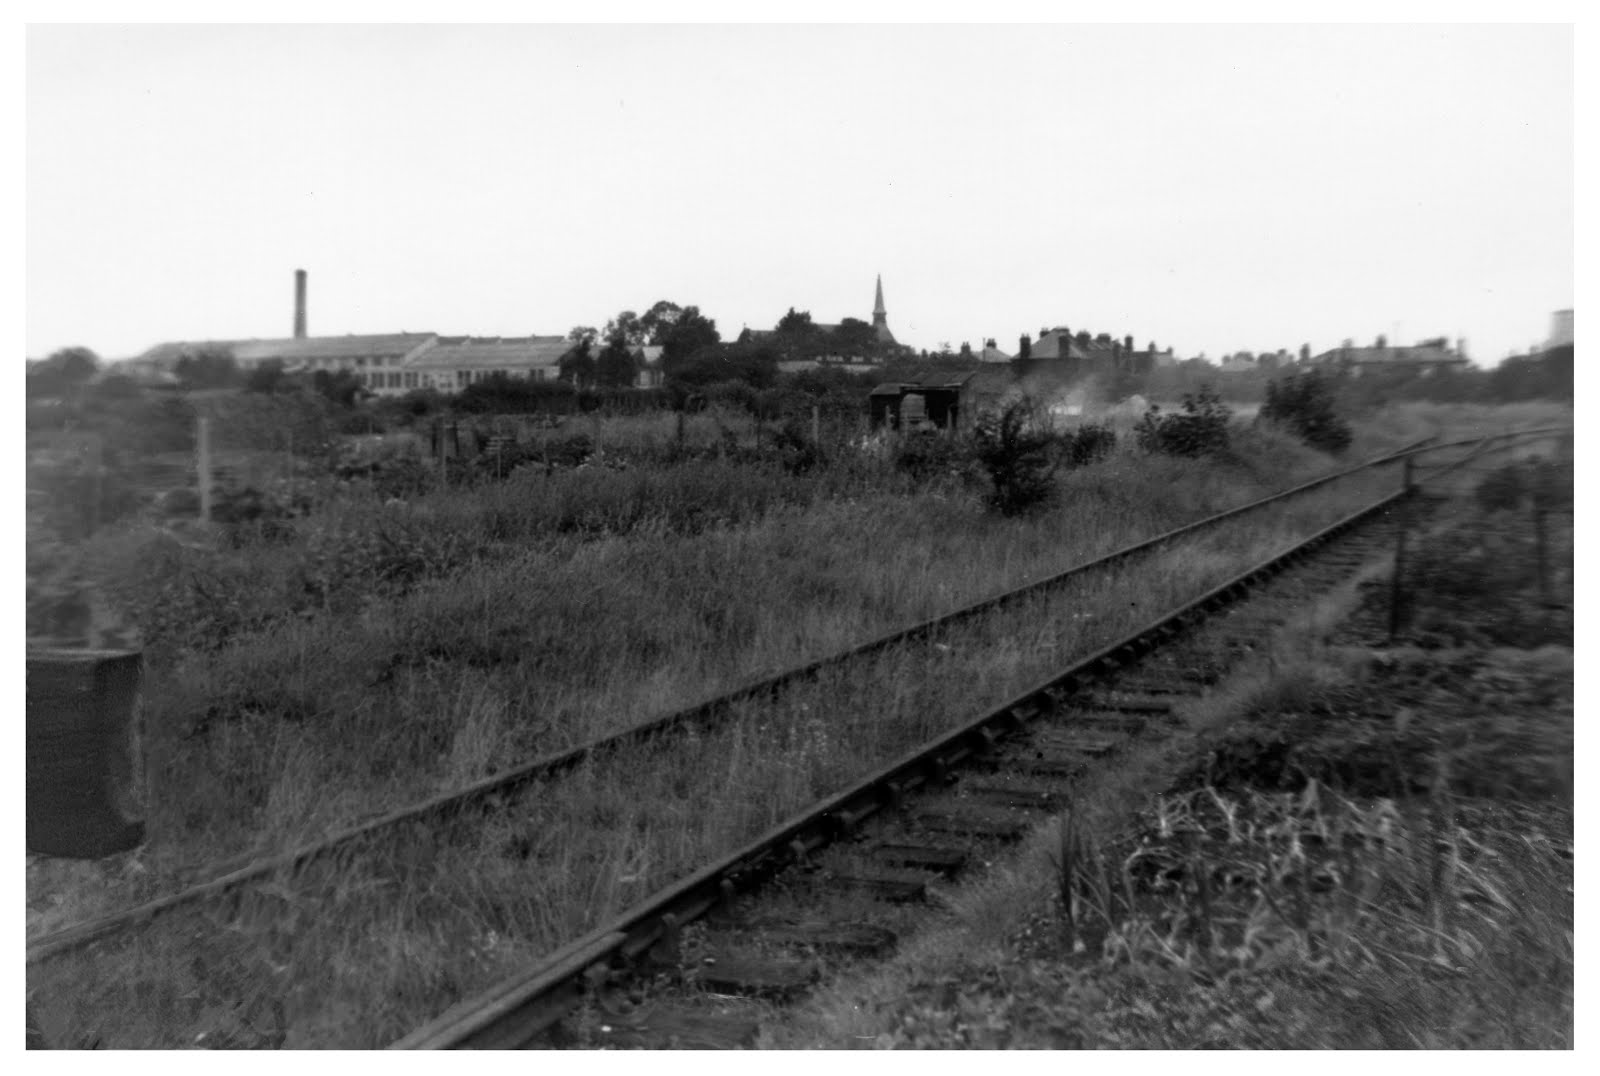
[[299, 304]]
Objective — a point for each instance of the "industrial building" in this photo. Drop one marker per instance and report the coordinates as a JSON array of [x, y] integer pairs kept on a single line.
[[386, 364]]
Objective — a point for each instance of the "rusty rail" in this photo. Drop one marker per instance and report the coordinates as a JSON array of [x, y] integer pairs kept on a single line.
[[75, 937], [512, 1013]]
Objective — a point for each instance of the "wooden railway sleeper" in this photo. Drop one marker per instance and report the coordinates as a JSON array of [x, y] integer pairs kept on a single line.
[[661, 929]]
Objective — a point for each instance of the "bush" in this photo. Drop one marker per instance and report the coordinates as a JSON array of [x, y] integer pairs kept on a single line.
[[1018, 459], [1088, 444], [1518, 484], [1304, 405], [1201, 428], [925, 455], [794, 446]]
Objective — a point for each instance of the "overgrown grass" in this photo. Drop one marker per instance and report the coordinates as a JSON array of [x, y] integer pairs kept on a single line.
[[541, 873], [1346, 849], [515, 637]]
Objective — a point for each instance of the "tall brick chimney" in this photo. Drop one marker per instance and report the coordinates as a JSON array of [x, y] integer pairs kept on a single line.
[[299, 304]]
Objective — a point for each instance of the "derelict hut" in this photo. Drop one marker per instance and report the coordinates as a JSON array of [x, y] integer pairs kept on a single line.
[[938, 399]]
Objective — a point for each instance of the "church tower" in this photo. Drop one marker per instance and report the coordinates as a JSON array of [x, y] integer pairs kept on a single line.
[[880, 317]]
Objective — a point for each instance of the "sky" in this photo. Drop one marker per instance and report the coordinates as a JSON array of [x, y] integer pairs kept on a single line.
[[1210, 188]]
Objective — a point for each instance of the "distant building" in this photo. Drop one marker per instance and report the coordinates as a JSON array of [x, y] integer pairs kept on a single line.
[[1560, 330], [453, 363], [370, 357], [992, 353], [1421, 360], [1083, 354], [1240, 363], [386, 364], [882, 335], [389, 364], [880, 317]]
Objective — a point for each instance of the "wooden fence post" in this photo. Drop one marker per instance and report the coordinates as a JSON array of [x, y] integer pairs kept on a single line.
[[203, 464], [1541, 560], [82, 752], [1396, 590]]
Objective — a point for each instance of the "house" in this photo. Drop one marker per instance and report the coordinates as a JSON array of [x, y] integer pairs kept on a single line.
[[1561, 334], [992, 353], [1419, 360], [1239, 363], [1095, 354], [938, 395]]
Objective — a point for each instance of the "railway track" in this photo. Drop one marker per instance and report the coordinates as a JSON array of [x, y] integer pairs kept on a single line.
[[451, 814], [701, 963], [496, 791]]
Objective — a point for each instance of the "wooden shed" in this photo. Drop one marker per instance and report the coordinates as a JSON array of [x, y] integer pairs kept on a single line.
[[938, 398]]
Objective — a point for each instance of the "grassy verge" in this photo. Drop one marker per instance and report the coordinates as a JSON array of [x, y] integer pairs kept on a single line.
[[1348, 849], [303, 724], [359, 952], [307, 724]]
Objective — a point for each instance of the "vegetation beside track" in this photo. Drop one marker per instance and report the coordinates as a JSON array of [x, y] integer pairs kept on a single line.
[[1358, 846], [623, 635]]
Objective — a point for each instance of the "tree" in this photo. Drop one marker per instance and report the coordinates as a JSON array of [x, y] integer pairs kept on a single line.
[[62, 371], [583, 334], [577, 366], [343, 387], [627, 325], [658, 321], [617, 365], [755, 365], [267, 377], [1305, 353], [691, 332], [1019, 455], [853, 338], [798, 337], [1305, 405], [795, 323], [208, 368]]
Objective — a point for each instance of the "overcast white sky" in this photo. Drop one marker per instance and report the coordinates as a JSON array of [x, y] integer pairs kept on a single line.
[[1214, 188]]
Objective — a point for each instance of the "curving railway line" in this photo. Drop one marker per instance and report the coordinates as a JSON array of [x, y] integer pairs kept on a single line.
[[1120, 692], [848, 868]]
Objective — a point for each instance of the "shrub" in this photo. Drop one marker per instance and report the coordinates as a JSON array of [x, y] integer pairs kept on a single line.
[[1087, 444], [1201, 428], [1305, 405], [1514, 485], [1018, 458], [796, 452], [925, 455]]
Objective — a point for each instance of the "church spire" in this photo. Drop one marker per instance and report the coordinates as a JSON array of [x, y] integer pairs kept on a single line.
[[880, 316]]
